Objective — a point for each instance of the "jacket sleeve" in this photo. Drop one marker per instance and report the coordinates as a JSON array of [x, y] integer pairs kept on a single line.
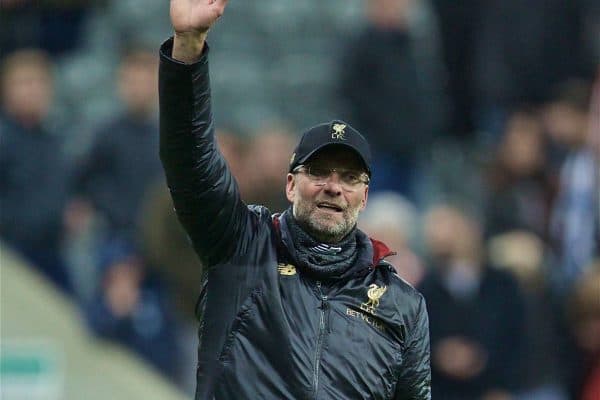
[[204, 192], [415, 377]]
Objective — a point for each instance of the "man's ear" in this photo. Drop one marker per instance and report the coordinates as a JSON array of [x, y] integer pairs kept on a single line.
[[365, 198], [290, 187]]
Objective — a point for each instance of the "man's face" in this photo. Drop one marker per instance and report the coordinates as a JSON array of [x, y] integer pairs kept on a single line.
[[328, 210], [27, 93], [137, 83]]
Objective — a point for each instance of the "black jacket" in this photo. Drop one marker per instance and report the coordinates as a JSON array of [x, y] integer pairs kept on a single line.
[[267, 329]]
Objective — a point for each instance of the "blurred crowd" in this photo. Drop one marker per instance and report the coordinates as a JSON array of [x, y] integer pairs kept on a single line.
[[484, 118]]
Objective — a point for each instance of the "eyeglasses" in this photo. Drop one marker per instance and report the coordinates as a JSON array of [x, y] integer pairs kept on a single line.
[[350, 179]]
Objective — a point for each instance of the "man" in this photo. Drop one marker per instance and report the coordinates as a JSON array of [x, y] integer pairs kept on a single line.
[[293, 306], [112, 177], [34, 171], [120, 166], [477, 319], [574, 218], [390, 84]]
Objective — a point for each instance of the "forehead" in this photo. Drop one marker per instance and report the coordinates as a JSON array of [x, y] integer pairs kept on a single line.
[[340, 156]]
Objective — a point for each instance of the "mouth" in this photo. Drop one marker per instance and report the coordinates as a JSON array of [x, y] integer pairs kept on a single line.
[[329, 207]]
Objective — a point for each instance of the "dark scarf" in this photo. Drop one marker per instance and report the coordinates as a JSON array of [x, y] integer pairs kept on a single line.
[[322, 261]]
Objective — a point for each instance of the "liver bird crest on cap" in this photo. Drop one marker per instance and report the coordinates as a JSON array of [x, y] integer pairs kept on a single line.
[[339, 131]]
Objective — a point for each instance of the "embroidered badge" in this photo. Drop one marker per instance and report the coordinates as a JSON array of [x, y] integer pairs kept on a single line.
[[374, 293], [339, 131]]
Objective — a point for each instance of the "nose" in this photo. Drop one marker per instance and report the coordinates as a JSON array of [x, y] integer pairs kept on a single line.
[[333, 185]]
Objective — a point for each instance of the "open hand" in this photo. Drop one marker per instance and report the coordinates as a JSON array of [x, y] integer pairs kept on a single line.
[[191, 21], [195, 16]]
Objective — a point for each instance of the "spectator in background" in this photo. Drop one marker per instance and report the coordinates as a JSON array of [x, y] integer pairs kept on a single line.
[[518, 186], [522, 253], [131, 307], [234, 149], [33, 169], [390, 89], [115, 173], [575, 213], [120, 165], [458, 23], [476, 313], [393, 220], [265, 162], [584, 317]]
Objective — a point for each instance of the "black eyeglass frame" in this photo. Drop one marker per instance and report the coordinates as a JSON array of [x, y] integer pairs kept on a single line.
[[363, 177]]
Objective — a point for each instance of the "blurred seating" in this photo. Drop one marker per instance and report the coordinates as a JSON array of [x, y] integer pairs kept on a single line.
[[41, 327]]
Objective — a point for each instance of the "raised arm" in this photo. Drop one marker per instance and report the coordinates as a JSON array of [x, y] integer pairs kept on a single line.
[[205, 194]]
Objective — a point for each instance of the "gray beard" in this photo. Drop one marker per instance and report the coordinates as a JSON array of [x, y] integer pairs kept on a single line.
[[323, 232]]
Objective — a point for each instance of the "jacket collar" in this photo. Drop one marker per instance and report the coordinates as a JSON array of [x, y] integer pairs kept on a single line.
[[380, 251]]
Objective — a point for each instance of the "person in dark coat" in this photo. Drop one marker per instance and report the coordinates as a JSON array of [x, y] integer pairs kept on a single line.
[[476, 313], [390, 89], [519, 185], [298, 304], [117, 171], [34, 171]]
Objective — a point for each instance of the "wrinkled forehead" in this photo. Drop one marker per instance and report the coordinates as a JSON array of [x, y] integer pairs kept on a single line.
[[337, 156]]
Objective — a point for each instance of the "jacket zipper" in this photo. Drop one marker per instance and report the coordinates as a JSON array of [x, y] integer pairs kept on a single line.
[[322, 330]]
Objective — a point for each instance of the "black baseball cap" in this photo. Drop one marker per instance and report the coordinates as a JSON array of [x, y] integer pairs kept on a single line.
[[335, 132]]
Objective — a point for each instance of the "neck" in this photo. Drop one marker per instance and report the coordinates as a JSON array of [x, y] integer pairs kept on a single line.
[[319, 236], [323, 260]]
